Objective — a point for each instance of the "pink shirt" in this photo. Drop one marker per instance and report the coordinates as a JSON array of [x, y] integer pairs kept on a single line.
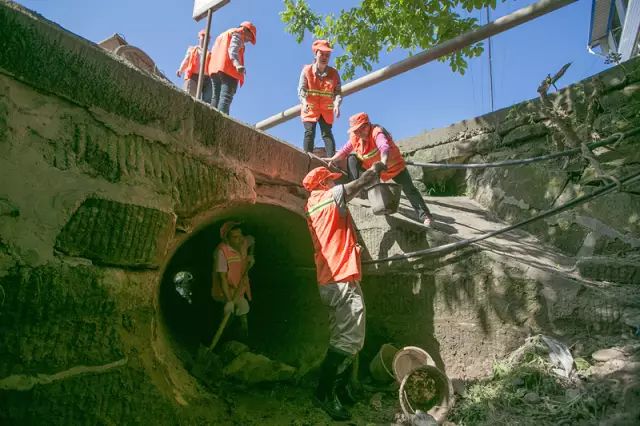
[[381, 142]]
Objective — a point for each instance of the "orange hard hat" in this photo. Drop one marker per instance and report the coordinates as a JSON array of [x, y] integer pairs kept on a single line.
[[226, 227], [322, 45], [317, 177], [358, 120], [252, 29]]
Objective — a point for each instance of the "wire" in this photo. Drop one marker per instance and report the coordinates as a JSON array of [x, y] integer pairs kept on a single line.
[[461, 244], [615, 138]]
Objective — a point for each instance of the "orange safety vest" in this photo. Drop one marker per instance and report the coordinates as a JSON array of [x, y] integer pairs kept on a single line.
[[367, 152], [337, 253], [191, 66], [320, 94], [220, 60], [236, 267]]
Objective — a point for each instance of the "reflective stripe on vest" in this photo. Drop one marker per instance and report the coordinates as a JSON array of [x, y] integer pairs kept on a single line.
[[337, 254], [320, 94], [236, 264], [368, 153], [322, 205], [220, 61]]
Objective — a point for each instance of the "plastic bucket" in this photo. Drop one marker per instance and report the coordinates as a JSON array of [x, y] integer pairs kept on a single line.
[[381, 366], [409, 358], [428, 389], [384, 197]]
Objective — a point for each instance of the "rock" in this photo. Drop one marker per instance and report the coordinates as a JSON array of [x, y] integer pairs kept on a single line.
[[631, 349], [604, 355], [231, 349], [524, 133], [531, 398], [253, 368]]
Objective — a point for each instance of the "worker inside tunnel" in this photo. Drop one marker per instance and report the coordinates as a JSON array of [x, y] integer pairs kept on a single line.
[[285, 318]]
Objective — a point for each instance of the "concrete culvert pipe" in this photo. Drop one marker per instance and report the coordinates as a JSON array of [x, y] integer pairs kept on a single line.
[[287, 322]]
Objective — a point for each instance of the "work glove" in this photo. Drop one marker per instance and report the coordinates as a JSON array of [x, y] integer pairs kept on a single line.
[[240, 69], [379, 166], [229, 308], [250, 261], [336, 111]]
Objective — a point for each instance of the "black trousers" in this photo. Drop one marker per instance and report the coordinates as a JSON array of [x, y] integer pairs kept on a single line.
[[327, 136], [354, 167]]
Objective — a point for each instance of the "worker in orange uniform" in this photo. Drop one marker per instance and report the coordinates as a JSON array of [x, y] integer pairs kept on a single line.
[[369, 143], [190, 67], [226, 65], [320, 93], [233, 258], [338, 269]]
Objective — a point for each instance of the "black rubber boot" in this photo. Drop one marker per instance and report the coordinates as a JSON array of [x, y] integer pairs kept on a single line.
[[325, 396], [344, 390]]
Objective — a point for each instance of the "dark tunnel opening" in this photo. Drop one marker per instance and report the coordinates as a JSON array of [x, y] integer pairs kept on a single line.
[[286, 322]]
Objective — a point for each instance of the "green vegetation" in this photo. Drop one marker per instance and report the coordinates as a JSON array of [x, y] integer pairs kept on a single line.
[[382, 25], [527, 392]]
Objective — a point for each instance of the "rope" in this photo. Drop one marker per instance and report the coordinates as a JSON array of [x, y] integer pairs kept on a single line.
[[615, 138], [460, 244]]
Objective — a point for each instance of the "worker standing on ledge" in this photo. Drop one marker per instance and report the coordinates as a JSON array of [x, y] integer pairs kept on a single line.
[[338, 269], [233, 258], [226, 65], [190, 66], [320, 94], [369, 143]]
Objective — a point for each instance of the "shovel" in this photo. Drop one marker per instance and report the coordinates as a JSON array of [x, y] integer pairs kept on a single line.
[[227, 315]]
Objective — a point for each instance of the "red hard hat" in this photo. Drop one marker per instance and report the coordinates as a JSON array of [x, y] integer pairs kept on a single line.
[[358, 120], [322, 45], [226, 227], [252, 29], [316, 178]]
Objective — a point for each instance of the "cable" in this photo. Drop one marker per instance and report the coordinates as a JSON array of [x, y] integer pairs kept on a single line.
[[615, 138], [490, 65], [460, 244]]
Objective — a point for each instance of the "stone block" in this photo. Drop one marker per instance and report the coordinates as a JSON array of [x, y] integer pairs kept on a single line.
[[253, 368], [113, 233], [524, 133], [628, 95], [622, 271]]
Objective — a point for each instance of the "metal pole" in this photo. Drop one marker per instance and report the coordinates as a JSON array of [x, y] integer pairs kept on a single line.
[[516, 18], [490, 66], [203, 54]]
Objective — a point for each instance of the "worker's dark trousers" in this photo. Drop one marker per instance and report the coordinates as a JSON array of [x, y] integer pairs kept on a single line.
[[191, 85], [403, 178], [327, 136], [224, 87]]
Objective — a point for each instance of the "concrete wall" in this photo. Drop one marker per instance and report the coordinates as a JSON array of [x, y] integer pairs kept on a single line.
[[603, 234]]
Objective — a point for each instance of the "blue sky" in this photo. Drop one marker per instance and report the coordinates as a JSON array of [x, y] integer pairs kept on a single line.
[[425, 98]]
